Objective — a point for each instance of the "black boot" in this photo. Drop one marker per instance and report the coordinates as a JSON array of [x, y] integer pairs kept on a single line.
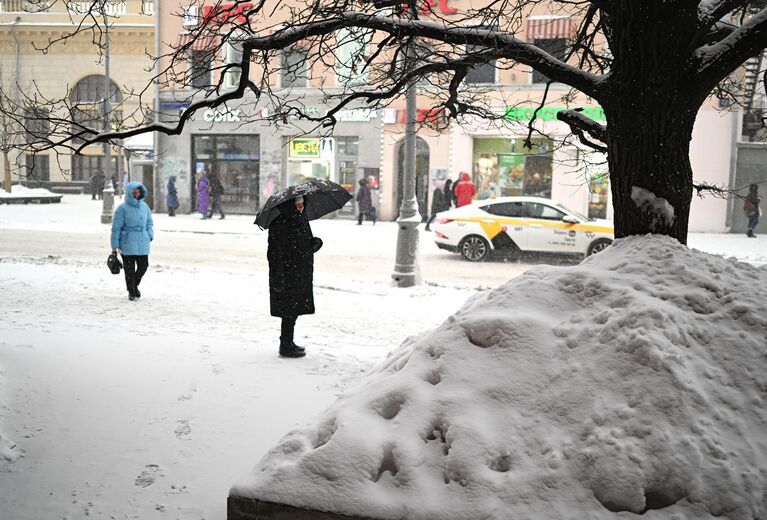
[[289, 350]]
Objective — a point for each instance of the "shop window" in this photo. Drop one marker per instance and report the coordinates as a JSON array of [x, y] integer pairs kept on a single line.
[[351, 50], [484, 73], [199, 69], [232, 49], [543, 211], [295, 67], [503, 167], [557, 47], [235, 159], [38, 167], [506, 209]]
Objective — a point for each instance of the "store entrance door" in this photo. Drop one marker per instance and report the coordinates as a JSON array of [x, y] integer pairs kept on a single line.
[[421, 176], [235, 159]]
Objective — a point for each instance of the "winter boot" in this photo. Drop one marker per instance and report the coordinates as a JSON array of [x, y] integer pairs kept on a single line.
[[289, 350]]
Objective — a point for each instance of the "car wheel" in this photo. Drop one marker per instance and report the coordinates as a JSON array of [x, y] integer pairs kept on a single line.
[[474, 248], [598, 245]]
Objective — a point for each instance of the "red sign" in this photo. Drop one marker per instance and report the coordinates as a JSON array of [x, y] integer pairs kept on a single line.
[[422, 115], [223, 13], [427, 6]]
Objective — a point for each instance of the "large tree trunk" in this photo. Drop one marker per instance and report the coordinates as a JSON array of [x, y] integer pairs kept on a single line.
[[649, 149]]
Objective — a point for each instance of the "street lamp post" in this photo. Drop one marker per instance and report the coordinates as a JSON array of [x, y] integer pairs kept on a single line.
[[106, 214], [406, 272]]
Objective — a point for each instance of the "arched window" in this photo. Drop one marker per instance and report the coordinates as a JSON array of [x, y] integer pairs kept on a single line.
[[90, 89]]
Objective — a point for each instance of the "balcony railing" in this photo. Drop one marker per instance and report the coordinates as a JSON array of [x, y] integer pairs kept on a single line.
[[118, 8], [24, 6]]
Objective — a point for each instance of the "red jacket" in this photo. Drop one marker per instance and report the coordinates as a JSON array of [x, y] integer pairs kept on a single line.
[[465, 191]]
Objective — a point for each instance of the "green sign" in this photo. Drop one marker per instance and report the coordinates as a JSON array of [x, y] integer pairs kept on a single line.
[[549, 113]]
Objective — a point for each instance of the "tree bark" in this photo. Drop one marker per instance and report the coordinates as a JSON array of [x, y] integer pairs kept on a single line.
[[7, 171], [649, 149]]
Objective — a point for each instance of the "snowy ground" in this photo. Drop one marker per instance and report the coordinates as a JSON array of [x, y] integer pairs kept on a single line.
[[153, 409]]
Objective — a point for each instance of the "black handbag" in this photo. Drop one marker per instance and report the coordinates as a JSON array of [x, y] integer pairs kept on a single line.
[[114, 263]]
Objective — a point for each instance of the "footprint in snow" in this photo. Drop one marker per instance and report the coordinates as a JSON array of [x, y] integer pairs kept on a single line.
[[189, 393], [218, 369], [147, 476], [183, 429]]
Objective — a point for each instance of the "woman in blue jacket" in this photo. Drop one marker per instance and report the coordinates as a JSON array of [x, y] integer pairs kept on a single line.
[[132, 232]]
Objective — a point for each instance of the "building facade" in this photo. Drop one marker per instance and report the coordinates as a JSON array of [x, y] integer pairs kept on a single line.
[[74, 69], [254, 158]]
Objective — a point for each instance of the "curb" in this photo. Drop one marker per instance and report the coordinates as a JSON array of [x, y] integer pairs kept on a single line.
[[239, 508]]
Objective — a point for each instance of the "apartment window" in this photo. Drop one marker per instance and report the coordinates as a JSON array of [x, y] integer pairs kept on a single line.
[[38, 167], [295, 69], [484, 73], [351, 50], [199, 69], [550, 34], [557, 47], [83, 166], [91, 90], [37, 125], [232, 49]]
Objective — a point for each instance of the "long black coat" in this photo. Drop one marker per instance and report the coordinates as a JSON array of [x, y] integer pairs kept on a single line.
[[291, 263]]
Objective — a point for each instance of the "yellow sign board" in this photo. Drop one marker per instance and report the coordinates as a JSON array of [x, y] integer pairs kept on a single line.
[[304, 148]]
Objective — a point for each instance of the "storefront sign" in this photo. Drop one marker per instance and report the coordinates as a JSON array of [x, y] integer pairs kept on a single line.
[[423, 115], [428, 6], [357, 115], [213, 115], [549, 113], [304, 148]]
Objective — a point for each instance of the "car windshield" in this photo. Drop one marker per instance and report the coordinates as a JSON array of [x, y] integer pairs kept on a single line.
[[574, 213]]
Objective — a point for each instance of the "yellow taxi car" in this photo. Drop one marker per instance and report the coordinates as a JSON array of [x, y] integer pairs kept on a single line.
[[511, 225]]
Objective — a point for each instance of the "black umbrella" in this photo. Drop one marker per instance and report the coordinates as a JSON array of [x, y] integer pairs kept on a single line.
[[320, 198]]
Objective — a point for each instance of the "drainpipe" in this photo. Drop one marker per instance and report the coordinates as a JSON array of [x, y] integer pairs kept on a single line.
[[156, 135]]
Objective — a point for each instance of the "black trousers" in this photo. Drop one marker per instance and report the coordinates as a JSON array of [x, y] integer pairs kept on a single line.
[[215, 204], [135, 268], [287, 329]]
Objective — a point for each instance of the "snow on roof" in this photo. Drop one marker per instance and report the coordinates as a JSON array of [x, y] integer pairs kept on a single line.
[[634, 381]]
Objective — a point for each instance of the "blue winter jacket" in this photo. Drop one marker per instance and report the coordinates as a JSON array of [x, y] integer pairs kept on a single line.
[[132, 228]]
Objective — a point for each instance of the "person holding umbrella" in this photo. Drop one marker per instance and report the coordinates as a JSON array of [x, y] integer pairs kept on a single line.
[[291, 249]]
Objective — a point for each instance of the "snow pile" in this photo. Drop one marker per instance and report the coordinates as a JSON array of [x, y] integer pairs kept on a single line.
[[634, 381], [18, 191], [661, 210]]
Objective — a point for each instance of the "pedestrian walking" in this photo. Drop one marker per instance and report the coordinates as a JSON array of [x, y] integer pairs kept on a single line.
[[438, 204], [203, 195], [171, 199], [751, 207], [449, 195], [113, 179], [132, 231], [216, 189], [100, 183], [290, 254], [365, 203], [96, 183], [465, 190]]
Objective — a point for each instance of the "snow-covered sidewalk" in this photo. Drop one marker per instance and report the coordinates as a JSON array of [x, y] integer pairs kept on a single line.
[[152, 409]]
